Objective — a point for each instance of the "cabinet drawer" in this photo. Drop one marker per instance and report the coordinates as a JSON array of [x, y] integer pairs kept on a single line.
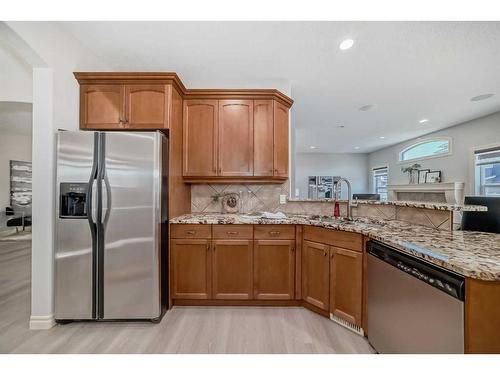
[[232, 231], [338, 238], [277, 232], [190, 231]]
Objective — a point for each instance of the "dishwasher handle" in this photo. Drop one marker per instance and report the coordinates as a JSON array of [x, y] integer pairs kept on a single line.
[[441, 279]]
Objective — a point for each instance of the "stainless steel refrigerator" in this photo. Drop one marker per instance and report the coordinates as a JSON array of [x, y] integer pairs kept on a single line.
[[110, 216]]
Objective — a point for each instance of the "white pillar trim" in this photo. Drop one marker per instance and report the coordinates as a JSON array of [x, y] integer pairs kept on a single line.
[[43, 162]]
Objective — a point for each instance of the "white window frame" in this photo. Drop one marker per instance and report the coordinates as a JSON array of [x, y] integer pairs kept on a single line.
[[414, 144], [472, 164], [386, 167]]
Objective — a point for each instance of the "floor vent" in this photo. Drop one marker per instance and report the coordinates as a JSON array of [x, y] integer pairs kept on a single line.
[[348, 325]]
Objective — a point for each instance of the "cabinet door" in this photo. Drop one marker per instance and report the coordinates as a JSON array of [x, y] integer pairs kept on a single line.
[[315, 274], [280, 140], [200, 137], [346, 288], [101, 107], [263, 130], [274, 269], [191, 269], [146, 106], [235, 137], [232, 269]]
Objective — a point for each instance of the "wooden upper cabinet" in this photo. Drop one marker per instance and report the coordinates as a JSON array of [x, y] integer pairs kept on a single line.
[[316, 274], [232, 269], [200, 133], [274, 269], [229, 135], [346, 289], [101, 106], [146, 106], [280, 140], [236, 138], [263, 157], [191, 268], [117, 106]]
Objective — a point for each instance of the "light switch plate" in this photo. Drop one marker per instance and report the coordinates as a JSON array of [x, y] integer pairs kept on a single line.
[[282, 198]]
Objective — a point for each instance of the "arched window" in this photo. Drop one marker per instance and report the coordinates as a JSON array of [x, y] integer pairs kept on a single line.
[[429, 148]]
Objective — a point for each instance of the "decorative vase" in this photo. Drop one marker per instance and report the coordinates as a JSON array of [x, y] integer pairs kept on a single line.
[[413, 177]]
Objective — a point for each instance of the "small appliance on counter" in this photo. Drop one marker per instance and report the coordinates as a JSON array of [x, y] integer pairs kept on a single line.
[[111, 216]]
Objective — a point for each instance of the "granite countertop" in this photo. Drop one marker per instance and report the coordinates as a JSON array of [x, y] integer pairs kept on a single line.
[[429, 205], [471, 254]]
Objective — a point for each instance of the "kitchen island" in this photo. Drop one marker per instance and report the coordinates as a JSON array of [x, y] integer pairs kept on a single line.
[[290, 266]]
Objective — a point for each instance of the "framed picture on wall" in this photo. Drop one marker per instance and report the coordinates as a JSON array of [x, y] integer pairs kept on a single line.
[[421, 175], [433, 177]]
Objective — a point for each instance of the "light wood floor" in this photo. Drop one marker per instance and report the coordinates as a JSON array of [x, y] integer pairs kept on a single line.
[[182, 330]]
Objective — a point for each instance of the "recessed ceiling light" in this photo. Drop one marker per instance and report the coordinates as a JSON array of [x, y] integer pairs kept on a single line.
[[340, 126], [481, 97], [366, 107], [312, 147], [382, 137], [346, 44], [356, 148], [423, 121]]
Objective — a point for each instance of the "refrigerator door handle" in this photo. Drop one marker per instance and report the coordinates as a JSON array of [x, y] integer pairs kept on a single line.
[[93, 204], [106, 196]]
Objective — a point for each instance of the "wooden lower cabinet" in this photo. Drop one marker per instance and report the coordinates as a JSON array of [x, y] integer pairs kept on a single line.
[[316, 274], [346, 288], [274, 269], [191, 268], [232, 269]]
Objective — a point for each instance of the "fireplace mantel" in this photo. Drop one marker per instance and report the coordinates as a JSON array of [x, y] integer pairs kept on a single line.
[[453, 191]]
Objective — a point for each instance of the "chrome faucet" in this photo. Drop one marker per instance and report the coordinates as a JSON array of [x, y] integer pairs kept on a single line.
[[349, 196]]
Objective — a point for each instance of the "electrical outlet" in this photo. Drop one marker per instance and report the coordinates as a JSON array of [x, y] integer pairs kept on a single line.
[[282, 198]]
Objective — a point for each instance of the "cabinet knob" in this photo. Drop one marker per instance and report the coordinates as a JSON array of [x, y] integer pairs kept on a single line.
[[190, 232], [292, 249], [208, 247], [232, 233], [325, 253], [274, 233]]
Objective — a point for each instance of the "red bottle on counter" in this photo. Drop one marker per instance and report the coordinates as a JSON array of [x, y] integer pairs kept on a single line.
[[336, 210]]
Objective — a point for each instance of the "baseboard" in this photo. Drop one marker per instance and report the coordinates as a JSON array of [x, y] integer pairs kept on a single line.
[[229, 303], [42, 322]]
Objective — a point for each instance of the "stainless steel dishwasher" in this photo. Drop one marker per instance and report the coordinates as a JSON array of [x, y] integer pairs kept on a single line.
[[413, 306]]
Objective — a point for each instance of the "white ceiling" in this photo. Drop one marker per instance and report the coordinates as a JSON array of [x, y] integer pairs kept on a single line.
[[408, 70]]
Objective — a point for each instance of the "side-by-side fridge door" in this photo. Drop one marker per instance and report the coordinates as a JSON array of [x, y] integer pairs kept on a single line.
[[130, 219], [75, 241]]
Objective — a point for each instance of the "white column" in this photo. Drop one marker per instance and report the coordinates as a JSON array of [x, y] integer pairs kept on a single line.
[[43, 163]]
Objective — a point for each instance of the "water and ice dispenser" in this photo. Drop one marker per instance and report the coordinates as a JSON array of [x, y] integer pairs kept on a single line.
[[73, 198]]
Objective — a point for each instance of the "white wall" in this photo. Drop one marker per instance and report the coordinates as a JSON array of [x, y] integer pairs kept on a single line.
[[351, 166], [54, 55], [13, 146], [64, 54], [16, 84], [455, 167]]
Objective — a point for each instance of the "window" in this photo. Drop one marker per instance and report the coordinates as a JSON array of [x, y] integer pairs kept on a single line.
[[487, 172], [426, 149], [380, 182]]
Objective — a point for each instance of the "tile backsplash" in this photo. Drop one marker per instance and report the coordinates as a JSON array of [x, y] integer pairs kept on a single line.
[[266, 198], [252, 197]]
